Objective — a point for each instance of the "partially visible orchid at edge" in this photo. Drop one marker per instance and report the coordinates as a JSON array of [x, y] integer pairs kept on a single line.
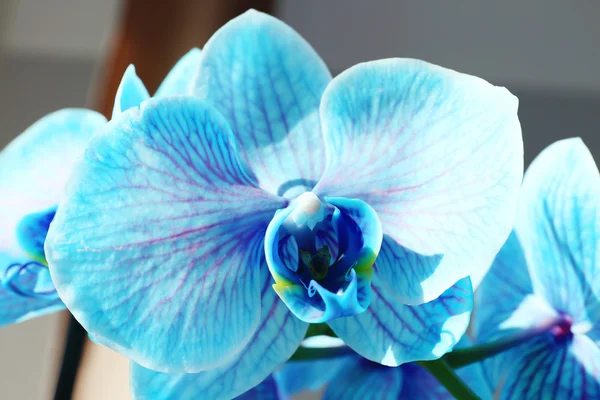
[[545, 283], [34, 169]]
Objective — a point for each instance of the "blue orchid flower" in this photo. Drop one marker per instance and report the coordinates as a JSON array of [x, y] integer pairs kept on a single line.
[[353, 377], [546, 279], [132, 91], [366, 201], [34, 169], [345, 377]]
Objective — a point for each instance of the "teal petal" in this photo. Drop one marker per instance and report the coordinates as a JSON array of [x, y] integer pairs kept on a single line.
[[352, 377], [311, 375], [555, 370], [34, 169], [267, 82], [299, 376], [419, 384], [157, 246], [180, 79], [360, 379], [277, 337], [26, 293], [505, 304], [266, 390], [392, 333], [437, 154], [547, 271], [559, 228], [131, 92]]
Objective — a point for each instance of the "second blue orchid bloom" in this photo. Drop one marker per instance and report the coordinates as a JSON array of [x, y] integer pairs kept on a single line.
[[545, 283], [34, 169], [366, 201]]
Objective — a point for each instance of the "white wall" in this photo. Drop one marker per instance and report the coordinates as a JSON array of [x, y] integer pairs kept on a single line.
[[63, 28], [541, 43]]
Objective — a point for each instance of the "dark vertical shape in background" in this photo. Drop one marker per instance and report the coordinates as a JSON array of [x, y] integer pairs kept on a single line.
[[72, 353], [152, 35]]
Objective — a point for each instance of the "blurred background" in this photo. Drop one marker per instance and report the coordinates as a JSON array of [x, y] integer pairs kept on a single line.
[[65, 53]]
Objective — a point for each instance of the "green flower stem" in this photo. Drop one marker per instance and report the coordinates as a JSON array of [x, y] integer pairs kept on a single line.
[[448, 378], [314, 353], [461, 357]]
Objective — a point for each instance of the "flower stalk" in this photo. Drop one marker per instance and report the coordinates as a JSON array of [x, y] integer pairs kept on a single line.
[[460, 357], [447, 377]]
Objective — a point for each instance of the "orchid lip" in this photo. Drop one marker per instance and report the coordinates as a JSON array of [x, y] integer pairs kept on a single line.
[[18, 279], [321, 256]]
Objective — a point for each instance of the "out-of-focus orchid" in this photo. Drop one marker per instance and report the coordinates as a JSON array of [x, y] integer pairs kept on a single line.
[[346, 377], [353, 377], [545, 283], [366, 201], [34, 169]]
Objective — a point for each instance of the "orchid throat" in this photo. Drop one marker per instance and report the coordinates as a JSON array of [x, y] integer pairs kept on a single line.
[[321, 255]]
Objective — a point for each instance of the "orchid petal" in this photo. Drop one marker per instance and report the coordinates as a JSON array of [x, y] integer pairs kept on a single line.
[[559, 227], [34, 169], [508, 279], [21, 304], [299, 376], [157, 246], [392, 333], [33, 172], [437, 154], [180, 79], [277, 337], [419, 384], [131, 92], [555, 370], [267, 82], [266, 390], [360, 379]]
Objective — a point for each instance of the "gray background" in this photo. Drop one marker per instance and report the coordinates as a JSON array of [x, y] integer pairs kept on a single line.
[[546, 52]]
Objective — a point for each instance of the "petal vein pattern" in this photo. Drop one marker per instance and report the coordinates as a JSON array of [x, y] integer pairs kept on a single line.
[[437, 154], [157, 247], [277, 337], [559, 224], [267, 81], [401, 333]]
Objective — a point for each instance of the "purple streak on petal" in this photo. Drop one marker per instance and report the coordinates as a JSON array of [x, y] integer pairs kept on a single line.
[[555, 369], [157, 246], [392, 333], [277, 337], [267, 81], [439, 157]]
